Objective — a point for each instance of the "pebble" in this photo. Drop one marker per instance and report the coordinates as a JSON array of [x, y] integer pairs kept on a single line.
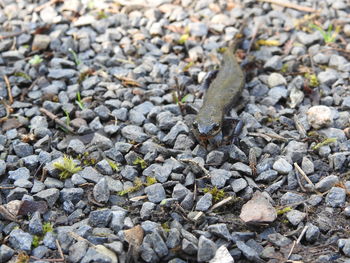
[[206, 249], [101, 192], [276, 79], [20, 240], [155, 193], [336, 197], [320, 116], [282, 166], [295, 217], [204, 202], [326, 183]]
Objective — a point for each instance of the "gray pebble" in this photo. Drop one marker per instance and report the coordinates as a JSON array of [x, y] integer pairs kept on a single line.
[[336, 197], [20, 240], [206, 249], [101, 191], [326, 183], [155, 193], [204, 202]]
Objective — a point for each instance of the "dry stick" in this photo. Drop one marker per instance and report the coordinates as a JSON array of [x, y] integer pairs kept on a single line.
[[303, 174], [221, 203], [298, 241], [56, 119], [291, 5], [59, 249], [8, 85]]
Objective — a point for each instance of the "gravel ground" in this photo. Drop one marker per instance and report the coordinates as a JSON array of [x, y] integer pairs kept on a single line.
[[97, 159]]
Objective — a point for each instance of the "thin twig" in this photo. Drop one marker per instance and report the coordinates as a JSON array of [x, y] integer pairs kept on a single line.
[[297, 242], [303, 174], [8, 86], [8, 109], [59, 249], [221, 203], [56, 119], [291, 5], [7, 187], [252, 161], [48, 259]]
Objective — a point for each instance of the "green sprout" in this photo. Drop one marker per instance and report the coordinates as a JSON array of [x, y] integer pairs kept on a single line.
[[183, 38], [313, 81], [113, 165], [150, 181], [139, 161], [217, 194], [36, 60], [283, 211], [67, 117], [23, 75], [138, 184], [75, 57], [67, 166], [101, 15], [79, 102], [47, 227], [324, 143], [329, 36]]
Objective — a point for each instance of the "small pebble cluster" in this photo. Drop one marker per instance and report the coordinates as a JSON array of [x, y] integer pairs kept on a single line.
[[97, 159]]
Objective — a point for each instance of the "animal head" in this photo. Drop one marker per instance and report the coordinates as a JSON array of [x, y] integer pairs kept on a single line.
[[207, 127]]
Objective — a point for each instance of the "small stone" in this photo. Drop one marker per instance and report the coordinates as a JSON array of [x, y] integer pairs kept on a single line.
[[282, 166], [101, 191], [100, 218], [174, 238], [21, 240], [295, 217], [179, 192], [274, 63], [320, 116], [220, 230], [258, 210], [155, 193], [49, 195], [296, 150], [198, 29], [146, 209], [189, 247], [90, 174], [238, 185], [307, 165], [35, 226], [134, 133], [328, 77], [40, 42], [76, 146], [267, 176], [101, 142], [336, 197], [222, 255], [71, 194], [23, 149], [241, 167], [278, 240], [77, 251], [312, 233], [6, 253], [206, 249], [204, 202], [326, 183], [21, 173], [62, 73], [248, 252], [219, 177], [276, 79], [291, 198]]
